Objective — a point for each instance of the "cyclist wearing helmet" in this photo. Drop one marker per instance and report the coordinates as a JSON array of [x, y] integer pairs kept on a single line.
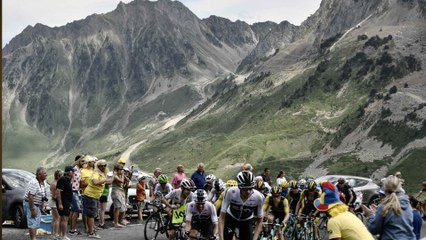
[[260, 186], [293, 196], [347, 192], [305, 206], [277, 207], [240, 206], [219, 187], [200, 217], [163, 188], [218, 203], [284, 189], [208, 186], [177, 200], [302, 184]]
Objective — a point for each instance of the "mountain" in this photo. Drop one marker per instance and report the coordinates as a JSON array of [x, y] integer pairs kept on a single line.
[[341, 93]]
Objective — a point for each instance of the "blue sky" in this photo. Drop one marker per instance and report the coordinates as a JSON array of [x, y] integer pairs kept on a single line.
[[18, 14]]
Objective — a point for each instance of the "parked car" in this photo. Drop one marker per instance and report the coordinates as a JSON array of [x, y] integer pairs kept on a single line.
[[14, 183], [132, 207], [363, 185]]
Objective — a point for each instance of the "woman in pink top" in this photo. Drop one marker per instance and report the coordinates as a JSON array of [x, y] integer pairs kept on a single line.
[[178, 176]]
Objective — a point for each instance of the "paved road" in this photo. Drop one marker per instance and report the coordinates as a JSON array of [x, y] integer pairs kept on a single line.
[[131, 232]]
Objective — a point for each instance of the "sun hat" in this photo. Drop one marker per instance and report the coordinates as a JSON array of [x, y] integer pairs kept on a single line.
[[329, 197]]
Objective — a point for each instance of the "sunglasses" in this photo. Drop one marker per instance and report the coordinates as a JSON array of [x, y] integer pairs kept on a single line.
[[101, 165], [200, 203]]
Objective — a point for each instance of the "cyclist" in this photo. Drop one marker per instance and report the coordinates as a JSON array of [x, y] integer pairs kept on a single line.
[[302, 184], [260, 186], [208, 186], [219, 187], [201, 217], [240, 206], [346, 192], [228, 184], [163, 188], [284, 189], [277, 207], [305, 206], [176, 200], [293, 196]]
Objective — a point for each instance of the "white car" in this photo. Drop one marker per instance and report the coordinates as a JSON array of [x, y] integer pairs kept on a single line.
[[132, 207]]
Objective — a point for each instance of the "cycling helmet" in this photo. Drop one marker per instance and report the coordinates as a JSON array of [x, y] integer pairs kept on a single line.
[[245, 179], [200, 196], [275, 190], [293, 185], [163, 178], [219, 185], [231, 183], [248, 167], [284, 184], [312, 185], [302, 182], [259, 185], [210, 178], [185, 183], [341, 180]]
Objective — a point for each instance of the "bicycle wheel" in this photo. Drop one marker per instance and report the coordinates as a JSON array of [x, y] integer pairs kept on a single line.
[[360, 216], [153, 227]]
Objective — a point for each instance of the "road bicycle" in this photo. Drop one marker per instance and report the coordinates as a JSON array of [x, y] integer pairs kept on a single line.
[[290, 229], [157, 223], [270, 230]]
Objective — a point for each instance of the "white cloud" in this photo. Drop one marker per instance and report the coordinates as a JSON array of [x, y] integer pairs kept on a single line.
[[18, 14]]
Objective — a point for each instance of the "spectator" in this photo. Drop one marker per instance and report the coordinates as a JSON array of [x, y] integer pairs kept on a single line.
[[265, 176], [178, 177], [103, 202], [199, 176], [393, 218], [153, 182], [424, 200], [342, 223], [281, 178], [35, 195], [417, 218], [52, 203], [92, 194], [76, 204], [86, 174], [117, 195], [64, 199], [140, 196], [399, 175]]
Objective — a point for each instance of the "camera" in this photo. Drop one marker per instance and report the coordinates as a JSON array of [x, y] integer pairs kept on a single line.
[[44, 199]]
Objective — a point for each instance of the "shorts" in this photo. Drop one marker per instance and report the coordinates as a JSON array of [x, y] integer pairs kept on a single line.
[[103, 199], [33, 223], [205, 227], [245, 228], [76, 203], [141, 204], [278, 215], [90, 206], [66, 210], [308, 209], [118, 200]]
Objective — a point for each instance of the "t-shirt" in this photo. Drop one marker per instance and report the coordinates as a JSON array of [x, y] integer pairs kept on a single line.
[[75, 181], [38, 190], [140, 191], [86, 174], [209, 212], [347, 226], [242, 210], [95, 190], [199, 179], [64, 185], [177, 178], [280, 180]]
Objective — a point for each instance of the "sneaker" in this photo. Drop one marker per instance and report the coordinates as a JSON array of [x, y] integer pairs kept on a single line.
[[74, 232], [94, 235], [103, 226]]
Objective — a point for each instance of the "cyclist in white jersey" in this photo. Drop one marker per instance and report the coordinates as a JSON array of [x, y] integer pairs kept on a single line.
[[240, 206], [200, 217], [177, 198]]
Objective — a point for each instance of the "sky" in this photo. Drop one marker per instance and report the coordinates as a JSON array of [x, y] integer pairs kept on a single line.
[[18, 14]]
